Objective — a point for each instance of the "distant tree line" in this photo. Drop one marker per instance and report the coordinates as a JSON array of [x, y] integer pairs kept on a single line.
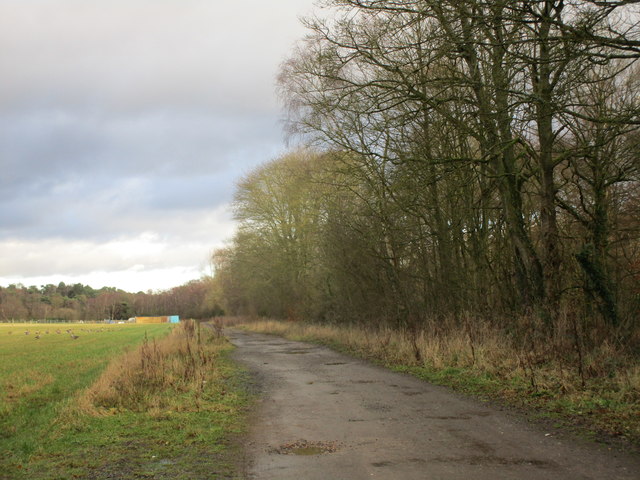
[[468, 157], [82, 302]]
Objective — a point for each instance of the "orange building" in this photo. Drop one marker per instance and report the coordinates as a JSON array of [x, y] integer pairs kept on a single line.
[[164, 319]]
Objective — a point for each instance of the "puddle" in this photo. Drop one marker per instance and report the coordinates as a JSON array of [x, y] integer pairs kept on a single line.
[[446, 417], [491, 460], [383, 464], [295, 352], [336, 363], [307, 451], [306, 448], [377, 407], [477, 414]]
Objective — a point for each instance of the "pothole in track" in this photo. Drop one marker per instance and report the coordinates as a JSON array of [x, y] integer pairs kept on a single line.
[[306, 447]]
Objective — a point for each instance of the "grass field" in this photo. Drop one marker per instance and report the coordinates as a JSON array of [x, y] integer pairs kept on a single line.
[[118, 401]]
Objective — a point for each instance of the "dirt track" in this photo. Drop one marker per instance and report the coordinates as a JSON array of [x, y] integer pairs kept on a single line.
[[373, 423]]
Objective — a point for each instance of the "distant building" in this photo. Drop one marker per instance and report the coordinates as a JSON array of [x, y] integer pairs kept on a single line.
[[164, 319]]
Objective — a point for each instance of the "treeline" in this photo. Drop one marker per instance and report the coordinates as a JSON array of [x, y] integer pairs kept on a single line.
[[471, 160], [81, 302]]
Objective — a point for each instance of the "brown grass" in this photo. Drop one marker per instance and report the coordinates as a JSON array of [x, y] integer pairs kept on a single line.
[[158, 375]]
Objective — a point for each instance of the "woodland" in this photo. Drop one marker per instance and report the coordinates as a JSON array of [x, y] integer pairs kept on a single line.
[[467, 164], [78, 302]]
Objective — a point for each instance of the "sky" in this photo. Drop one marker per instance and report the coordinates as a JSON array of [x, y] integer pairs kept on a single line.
[[124, 127]]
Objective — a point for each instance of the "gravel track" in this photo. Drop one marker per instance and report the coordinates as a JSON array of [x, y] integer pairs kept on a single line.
[[324, 415]]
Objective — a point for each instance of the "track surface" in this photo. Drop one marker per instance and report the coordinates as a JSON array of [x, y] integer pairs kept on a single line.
[[387, 425]]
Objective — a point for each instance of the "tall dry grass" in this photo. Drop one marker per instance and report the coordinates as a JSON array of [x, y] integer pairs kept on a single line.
[[172, 372]]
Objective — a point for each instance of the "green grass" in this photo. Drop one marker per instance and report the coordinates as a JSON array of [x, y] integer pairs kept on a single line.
[[46, 431]]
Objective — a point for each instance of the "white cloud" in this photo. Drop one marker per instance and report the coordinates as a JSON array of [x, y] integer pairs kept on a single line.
[[131, 280], [152, 259]]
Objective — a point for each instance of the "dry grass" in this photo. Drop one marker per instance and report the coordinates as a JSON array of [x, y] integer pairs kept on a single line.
[[171, 373], [397, 347], [597, 387]]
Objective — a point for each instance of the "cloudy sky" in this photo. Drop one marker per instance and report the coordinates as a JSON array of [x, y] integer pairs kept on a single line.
[[124, 126]]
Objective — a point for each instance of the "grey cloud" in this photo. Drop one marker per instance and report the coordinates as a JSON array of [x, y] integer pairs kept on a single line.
[[37, 145], [104, 208], [132, 117], [126, 55], [157, 162]]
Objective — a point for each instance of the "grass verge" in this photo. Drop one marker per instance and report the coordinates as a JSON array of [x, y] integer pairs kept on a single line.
[[605, 406], [166, 408]]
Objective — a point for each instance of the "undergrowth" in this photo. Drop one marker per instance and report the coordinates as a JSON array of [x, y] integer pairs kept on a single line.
[[171, 373]]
